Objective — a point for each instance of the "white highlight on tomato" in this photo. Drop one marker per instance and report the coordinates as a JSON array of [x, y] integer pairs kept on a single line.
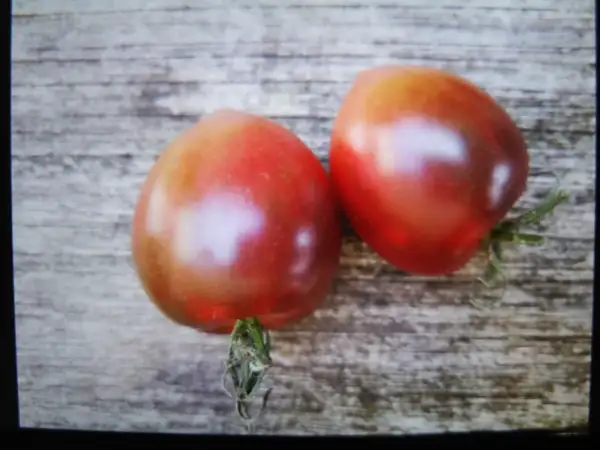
[[304, 241], [385, 151], [500, 176], [357, 138], [411, 143], [157, 210], [212, 232]]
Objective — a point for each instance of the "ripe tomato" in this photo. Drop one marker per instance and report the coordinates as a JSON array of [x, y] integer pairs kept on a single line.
[[424, 164], [236, 219]]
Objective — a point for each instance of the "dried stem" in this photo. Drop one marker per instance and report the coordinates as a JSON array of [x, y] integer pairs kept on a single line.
[[248, 361], [509, 231]]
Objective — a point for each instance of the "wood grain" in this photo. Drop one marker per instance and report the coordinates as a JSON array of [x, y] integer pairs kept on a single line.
[[99, 88]]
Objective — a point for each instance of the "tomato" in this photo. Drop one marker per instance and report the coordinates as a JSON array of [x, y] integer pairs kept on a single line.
[[424, 164], [236, 219]]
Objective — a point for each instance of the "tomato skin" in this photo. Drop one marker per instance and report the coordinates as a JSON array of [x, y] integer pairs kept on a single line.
[[236, 219], [424, 164]]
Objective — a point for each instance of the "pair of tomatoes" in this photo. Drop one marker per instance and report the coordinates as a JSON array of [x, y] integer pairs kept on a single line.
[[239, 219]]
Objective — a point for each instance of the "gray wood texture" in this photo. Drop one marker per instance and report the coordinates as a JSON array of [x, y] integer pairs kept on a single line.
[[99, 88]]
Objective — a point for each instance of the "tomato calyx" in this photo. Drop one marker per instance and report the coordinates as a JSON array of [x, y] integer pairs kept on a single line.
[[509, 231], [248, 361]]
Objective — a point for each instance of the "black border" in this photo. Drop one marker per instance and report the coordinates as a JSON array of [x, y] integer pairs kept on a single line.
[[594, 414], [546, 439], [9, 414], [28, 438]]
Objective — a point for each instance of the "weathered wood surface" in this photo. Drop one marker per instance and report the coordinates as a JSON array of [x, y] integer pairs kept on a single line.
[[100, 87]]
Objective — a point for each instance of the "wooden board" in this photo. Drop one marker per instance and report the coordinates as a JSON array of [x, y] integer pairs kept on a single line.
[[99, 88]]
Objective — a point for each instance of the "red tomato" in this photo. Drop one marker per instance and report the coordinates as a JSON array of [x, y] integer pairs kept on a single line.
[[424, 164], [236, 219]]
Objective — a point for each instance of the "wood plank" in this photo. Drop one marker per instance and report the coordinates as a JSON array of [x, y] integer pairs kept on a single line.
[[99, 88]]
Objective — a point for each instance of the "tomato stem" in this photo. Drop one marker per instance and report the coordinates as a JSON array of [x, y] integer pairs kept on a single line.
[[248, 361], [509, 230]]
